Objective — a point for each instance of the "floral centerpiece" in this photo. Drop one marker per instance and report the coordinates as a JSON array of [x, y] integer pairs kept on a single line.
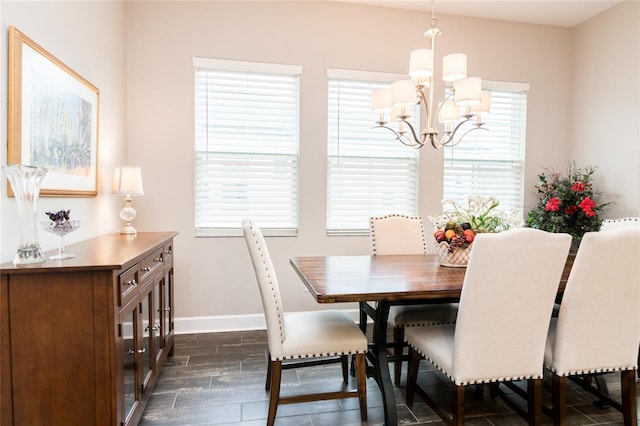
[[568, 203], [457, 226]]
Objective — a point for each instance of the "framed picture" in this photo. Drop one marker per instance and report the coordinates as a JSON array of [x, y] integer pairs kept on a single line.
[[52, 120]]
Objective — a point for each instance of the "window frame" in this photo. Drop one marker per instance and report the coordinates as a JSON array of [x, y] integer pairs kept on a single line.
[[364, 77], [257, 68], [519, 159]]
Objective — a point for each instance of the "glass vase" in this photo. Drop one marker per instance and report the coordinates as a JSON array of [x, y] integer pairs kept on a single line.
[[25, 182]]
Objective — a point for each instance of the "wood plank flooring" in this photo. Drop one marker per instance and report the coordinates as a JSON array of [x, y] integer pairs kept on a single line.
[[218, 379]]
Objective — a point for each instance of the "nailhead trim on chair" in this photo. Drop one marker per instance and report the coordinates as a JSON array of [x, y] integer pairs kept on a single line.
[[424, 323], [273, 291], [373, 237], [624, 219], [473, 382], [592, 370], [318, 355]]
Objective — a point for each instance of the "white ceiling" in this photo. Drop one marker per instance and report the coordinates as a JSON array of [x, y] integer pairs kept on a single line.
[[564, 13]]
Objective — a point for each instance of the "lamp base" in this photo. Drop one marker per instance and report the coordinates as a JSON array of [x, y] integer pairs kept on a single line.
[[128, 230], [127, 214]]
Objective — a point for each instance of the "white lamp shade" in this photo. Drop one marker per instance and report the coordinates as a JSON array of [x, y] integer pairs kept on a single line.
[[403, 92], [454, 66], [448, 112], [485, 104], [127, 180], [380, 100], [421, 65], [468, 91]]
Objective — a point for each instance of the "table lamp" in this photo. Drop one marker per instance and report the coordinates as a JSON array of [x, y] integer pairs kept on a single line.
[[127, 181]]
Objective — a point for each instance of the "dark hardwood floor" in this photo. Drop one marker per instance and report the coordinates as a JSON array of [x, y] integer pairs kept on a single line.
[[218, 378]]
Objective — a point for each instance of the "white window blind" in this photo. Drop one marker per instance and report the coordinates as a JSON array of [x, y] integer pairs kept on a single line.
[[492, 162], [369, 172], [246, 146]]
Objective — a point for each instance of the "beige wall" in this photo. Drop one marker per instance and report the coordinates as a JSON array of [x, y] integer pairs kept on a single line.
[[89, 37], [605, 103], [215, 274]]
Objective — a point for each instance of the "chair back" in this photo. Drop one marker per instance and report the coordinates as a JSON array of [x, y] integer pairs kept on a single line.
[[268, 284], [598, 325], [506, 303], [397, 234], [625, 222]]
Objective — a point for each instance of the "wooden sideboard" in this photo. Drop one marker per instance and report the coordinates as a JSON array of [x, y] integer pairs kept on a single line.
[[83, 340]]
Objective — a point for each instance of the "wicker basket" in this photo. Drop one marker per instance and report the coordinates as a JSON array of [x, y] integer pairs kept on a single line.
[[458, 258]]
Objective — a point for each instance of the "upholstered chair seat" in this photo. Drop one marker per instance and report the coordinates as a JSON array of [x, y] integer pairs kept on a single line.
[[320, 334], [503, 317], [316, 337], [598, 326]]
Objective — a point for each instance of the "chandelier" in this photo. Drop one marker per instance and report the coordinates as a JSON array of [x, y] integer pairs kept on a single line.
[[459, 112]]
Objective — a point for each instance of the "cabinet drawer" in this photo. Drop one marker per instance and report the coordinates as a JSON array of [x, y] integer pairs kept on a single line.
[[128, 284], [151, 263]]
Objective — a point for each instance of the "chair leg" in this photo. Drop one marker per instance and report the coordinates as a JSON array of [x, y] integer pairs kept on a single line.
[[267, 384], [412, 375], [398, 338], [628, 387], [344, 360], [274, 397], [559, 399], [534, 401], [361, 380], [457, 405]]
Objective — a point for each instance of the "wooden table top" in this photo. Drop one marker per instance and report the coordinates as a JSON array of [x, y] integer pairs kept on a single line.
[[332, 279]]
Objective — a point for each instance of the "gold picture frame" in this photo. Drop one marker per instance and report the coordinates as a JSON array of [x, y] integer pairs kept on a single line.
[[53, 120]]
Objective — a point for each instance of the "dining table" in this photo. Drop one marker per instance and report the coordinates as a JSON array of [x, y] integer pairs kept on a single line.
[[386, 280]]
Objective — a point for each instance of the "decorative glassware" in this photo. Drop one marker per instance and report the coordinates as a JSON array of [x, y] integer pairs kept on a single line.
[[61, 228], [25, 182]]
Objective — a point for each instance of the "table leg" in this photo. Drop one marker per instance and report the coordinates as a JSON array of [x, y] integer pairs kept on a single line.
[[380, 364]]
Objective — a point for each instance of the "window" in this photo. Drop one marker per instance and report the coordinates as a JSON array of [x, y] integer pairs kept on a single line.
[[246, 146], [369, 172], [492, 162]]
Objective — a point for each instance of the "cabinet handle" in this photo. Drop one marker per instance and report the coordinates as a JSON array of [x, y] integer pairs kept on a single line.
[[168, 252], [158, 260], [146, 268], [132, 352], [156, 327], [167, 309], [141, 351], [131, 282]]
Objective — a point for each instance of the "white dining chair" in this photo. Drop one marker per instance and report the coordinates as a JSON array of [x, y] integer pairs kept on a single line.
[[396, 234], [316, 337], [503, 317], [598, 326]]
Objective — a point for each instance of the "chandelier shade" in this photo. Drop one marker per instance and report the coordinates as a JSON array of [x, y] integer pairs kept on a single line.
[[464, 99]]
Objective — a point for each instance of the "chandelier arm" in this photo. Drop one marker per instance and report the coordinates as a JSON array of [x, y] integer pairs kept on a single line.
[[451, 143], [416, 140], [400, 137]]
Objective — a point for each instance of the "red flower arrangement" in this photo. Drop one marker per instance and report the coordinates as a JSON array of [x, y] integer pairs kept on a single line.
[[567, 203]]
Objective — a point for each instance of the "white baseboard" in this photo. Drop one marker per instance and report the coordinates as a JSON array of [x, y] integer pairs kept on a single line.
[[222, 323]]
